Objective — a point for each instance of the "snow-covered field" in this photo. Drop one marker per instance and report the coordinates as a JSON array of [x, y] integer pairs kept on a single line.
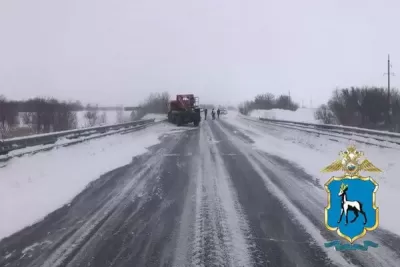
[[105, 117], [111, 117], [313, 153], [29, 182], [300, 115]]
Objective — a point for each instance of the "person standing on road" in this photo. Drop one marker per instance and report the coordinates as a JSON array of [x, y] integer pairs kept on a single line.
[[218, 112], [205, 113]]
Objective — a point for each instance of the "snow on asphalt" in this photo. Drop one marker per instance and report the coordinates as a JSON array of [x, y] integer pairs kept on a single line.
[[300, 217], [230, 216], [307, 152], [32, 186], [313, 153]]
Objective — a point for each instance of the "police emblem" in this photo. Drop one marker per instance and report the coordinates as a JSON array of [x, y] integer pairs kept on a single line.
[[351, 209]]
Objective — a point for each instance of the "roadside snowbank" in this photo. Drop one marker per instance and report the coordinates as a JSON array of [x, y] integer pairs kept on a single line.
[[157, 117], [33, 186], [300, 115], [313, 153]]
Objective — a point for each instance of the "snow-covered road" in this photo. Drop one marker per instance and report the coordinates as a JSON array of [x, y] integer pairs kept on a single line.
[[229, 193]]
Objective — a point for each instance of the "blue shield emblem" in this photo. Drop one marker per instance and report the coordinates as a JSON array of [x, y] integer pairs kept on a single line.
[[351, 210]]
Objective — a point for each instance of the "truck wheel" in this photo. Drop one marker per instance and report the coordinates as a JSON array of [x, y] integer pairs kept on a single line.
[[196, 123], [178, 120]]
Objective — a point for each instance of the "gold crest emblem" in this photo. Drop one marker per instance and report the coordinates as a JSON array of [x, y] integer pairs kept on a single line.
[[349, 163]]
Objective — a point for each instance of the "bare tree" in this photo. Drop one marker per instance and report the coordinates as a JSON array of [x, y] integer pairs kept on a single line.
[[91, 115], [364, 107], [246, 107], [8, 114], [155, 103], [64, 117], [2, 116], [264, 101], [3, 108], [268, 101], [120, 115], [103, 118], [26, 118], [325, 115]]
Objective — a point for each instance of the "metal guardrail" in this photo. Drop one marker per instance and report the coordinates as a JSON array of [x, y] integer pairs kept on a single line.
[[7, 145], [338, 130], [337, 127]]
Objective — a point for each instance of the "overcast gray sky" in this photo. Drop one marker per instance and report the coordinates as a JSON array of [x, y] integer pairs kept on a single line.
[[118, 51]]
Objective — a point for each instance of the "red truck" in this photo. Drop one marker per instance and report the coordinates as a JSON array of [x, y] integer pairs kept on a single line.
[[185, 109]]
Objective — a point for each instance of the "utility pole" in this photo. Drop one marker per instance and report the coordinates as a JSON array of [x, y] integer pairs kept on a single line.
[[389, 109]]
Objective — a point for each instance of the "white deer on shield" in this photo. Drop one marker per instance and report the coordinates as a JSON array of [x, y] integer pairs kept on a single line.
[[346, 206]]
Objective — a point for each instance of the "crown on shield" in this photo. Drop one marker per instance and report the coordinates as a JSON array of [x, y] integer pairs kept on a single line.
[[349, 162]]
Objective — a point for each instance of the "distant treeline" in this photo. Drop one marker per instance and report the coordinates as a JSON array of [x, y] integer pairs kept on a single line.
[[44, 115], [32, 105], [268, 101], [367, 107]]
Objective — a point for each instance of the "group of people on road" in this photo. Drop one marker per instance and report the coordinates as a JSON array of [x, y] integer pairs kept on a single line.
[[212, 113]]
